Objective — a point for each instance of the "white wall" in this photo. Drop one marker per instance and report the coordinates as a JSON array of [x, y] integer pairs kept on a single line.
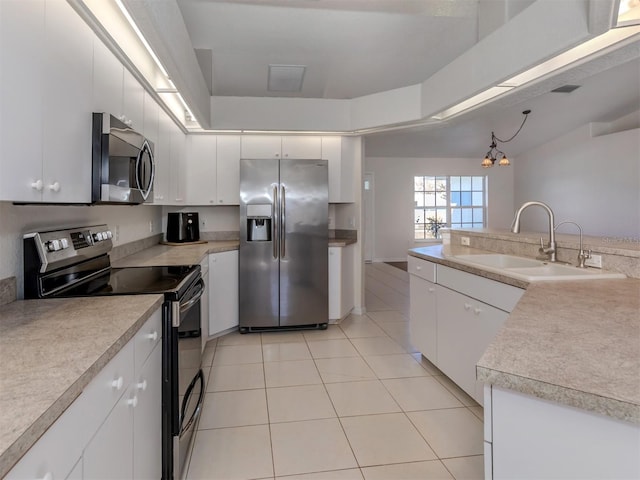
[[15, 220], [393, 198], [594, 181]]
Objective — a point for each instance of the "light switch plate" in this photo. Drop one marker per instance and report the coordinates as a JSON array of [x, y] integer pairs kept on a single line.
[[594, 261], [464, 241]]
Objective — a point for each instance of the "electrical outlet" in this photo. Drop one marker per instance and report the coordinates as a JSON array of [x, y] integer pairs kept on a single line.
[[464, 241], [595, 261], [117, 233], [150, 226]]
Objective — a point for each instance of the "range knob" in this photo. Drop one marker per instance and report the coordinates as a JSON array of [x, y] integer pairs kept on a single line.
[[64, 243], [53, 245], [97, 237], [109, 234]]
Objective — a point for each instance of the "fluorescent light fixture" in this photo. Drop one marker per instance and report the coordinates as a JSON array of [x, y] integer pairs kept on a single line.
[[286, 78], [135, 28], [582, 51], [190, 116]]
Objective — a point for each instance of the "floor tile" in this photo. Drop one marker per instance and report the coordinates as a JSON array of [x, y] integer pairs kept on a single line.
[[236, 377], [237, 338], [310, 446], [345, 369], [332, 348], [349, 474], [277, 352], [222, 454], [281, 337], [456, 390], [453, 432], [426, 364], [237, 354], [395, 366], [306, 402], [420, 393], [333, 332], [363, 330], [377, 346], [361, 398], [466, 468], [382, 439], [290, 373], [388, 316], [234, 409], [429, 470]]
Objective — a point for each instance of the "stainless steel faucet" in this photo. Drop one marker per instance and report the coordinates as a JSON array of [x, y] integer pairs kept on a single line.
[[582, 255], [550, 249]]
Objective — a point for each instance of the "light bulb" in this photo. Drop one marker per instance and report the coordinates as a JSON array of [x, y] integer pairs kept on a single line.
[[486, 163], [504, 161]]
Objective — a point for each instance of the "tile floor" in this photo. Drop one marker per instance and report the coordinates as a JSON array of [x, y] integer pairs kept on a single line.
[[352, 402]]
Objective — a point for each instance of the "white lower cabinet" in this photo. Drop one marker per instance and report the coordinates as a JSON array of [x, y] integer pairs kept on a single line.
[[341, 276], [223, 291], [454, 316], [532, 438], [112, 430]]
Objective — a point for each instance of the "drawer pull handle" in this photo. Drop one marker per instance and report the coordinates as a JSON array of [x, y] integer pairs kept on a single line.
[[418, 267], [142, 385], [477, 310], [118, 383], [133, 401], [431, 289], [467, 306], [153, 336], [37, 185], [48, 476]]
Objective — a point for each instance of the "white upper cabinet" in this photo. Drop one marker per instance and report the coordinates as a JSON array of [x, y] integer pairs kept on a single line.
[[201, 170], [228, 170], [108, 77], [21, 24], [342, 154], [177, 164], [308, 147], [150, 121], [261, 146], [133, 100], [68, 105], [162, 157]]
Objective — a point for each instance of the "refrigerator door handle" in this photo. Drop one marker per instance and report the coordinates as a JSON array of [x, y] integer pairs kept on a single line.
[[274, 227], [283, 231]]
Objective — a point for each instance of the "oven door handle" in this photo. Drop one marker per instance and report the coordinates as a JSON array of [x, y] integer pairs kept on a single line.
[[185, 402], [194, 299]]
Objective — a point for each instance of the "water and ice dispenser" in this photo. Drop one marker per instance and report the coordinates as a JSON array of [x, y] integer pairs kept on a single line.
[[259, 222]]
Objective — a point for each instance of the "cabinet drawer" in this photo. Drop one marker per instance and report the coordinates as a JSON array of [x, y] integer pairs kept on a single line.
[[422, 268], [147, 338], [494, 293]]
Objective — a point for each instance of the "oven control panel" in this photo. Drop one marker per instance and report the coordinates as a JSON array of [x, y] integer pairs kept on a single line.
[[57, 248]]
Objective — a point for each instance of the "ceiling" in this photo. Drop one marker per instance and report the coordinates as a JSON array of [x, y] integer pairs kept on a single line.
[[358, 47], [351, 47]]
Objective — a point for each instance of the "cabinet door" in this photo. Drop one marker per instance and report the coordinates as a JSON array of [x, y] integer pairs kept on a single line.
[[341, 154], [150, 122], [133, 101], [108, 75], [261, 146], [422, 317], [68, 103], [335, 283], [147, 419], [228, 170], [308, 147], [465, 329], [162, 159], [21, 25], [178, 178], [347, 295], [201, 169], [223, 291], [109, 454]]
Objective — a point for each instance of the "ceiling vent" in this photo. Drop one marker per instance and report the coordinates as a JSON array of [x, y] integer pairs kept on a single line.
[[565, 89], [286, 78]]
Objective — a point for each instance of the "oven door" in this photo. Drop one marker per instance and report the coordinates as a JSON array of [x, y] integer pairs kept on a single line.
[[189, 387]]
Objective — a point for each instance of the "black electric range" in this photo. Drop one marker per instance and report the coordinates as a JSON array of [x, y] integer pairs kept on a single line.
[[75, 263]]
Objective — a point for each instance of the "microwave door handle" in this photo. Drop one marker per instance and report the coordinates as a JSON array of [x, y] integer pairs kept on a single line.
[[145, 189]]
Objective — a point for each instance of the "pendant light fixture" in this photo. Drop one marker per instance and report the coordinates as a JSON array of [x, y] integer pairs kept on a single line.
[[493, 153]]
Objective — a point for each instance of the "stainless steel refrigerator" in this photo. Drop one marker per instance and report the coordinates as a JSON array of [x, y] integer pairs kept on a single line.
[[284, 214]]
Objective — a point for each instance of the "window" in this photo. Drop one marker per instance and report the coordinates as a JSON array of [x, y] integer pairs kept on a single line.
[[448, 201]]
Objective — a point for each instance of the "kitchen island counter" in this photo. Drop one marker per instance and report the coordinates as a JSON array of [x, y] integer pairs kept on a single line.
[[49, 351], [576, 343]]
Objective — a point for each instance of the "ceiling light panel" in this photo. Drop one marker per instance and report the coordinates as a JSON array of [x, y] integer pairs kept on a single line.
[[286, 78]]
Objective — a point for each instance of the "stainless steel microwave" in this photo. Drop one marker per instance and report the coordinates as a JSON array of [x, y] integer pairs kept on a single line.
[[123, 165]]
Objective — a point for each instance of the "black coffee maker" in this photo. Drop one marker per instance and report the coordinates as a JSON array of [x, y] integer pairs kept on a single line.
[[183, 227]]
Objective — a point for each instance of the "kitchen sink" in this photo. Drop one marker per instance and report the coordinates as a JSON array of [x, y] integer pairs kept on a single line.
[[531, 270]]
